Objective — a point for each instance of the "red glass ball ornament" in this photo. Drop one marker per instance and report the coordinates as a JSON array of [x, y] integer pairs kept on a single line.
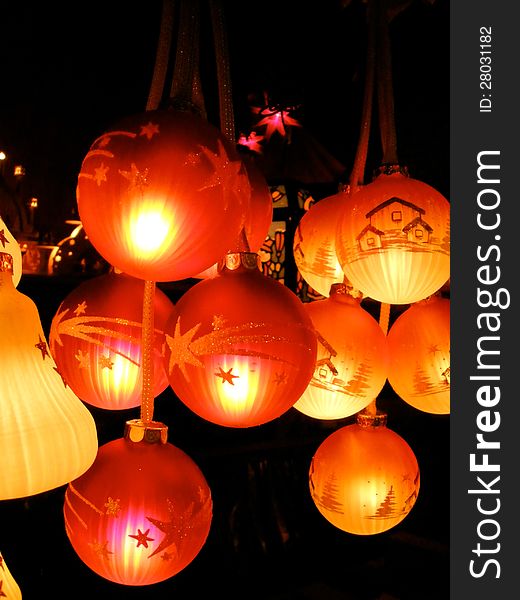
[[142, 512], [419, 350], [393, 241], [95, 339], [162, 195], [364, 478], [241, 348], [352, 359], [314, 244]]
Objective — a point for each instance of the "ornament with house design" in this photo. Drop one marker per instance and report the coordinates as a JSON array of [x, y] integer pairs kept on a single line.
[[142, 512], [240, 349], [352, 362], [419, 351], [364, 478], [162, 195], [393, 240], [95, 339]]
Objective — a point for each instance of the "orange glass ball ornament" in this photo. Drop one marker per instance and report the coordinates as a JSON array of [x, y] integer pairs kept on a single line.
[[241, 348], [142, 512], [95, 339], [352, 362], [393, 242], [314, 244], [419, 350], [162, 195], [364, 478]]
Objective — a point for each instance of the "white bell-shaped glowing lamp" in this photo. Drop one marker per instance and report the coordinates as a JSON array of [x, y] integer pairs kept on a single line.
[[47, 435]]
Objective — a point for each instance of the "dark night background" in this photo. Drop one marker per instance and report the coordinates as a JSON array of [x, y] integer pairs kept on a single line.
[[69, 71]]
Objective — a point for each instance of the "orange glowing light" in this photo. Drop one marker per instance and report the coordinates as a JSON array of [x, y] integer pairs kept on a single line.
[[352, 359], [364, 478], [419, 351]]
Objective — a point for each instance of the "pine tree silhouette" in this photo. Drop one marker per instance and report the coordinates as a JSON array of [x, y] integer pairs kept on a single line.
[[328, 497], [386, 509]]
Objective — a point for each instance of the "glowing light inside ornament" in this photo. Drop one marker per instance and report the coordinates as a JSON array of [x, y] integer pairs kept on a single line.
[[122, 376], [364, 480], [236, 384], [149, 231], [113, 538]]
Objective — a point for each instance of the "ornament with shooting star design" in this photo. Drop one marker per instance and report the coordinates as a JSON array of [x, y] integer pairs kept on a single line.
[[173, 194], [240, 348], [142, 512], [96, 340]]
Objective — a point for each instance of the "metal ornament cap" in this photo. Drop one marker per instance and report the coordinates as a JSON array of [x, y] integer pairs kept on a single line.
[[234, 261], [368, 420], [152, 432]]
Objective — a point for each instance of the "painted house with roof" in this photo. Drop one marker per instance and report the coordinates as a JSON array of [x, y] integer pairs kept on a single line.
[[394, 220]]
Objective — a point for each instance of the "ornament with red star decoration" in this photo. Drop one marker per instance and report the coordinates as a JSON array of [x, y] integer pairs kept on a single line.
[[161, 516], [96, 338], [240, 348], [152, 172]]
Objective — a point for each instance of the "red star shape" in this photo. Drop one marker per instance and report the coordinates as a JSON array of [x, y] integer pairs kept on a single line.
[[3, 239], [42, 346], [142, 538], [227, 375], [149, 130]]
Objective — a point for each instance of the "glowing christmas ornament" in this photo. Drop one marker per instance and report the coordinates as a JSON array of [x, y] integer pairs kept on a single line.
[[142, 512], [47, 436], [419, 350], [364, 478], [315, 243], [351, 364], [162, 195], [95, 339], [393, 242], [9, 589], [241, 348]]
